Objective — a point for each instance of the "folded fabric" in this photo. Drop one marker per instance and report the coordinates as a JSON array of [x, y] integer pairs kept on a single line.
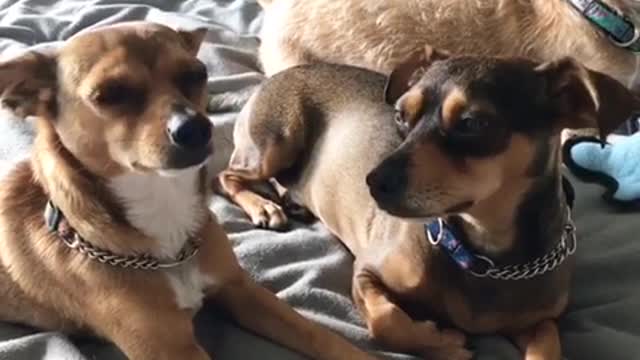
[[616, 166]]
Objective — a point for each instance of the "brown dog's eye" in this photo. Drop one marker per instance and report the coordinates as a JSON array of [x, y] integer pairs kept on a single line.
[[191, 80], [116, 94]]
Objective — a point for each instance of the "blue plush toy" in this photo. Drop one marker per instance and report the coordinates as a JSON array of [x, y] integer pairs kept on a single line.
[[616, 166]]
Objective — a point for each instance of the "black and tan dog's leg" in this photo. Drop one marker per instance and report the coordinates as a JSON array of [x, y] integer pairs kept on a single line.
[[393, 328], [542, 342]]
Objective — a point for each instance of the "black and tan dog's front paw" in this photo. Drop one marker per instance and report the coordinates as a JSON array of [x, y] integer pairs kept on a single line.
[[443, 344]]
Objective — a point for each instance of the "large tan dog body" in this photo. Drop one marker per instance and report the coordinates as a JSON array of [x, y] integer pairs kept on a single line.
[[105, 104], [379, 35]]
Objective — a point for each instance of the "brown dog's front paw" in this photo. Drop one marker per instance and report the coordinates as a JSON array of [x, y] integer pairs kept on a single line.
[[268, 215]]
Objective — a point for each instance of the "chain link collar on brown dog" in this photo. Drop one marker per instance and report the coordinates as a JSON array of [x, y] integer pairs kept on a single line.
[[57, 223]]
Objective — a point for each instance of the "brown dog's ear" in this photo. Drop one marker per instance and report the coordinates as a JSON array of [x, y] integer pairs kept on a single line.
[[193, 39], [585, 98], [409, 72], [28, 83]]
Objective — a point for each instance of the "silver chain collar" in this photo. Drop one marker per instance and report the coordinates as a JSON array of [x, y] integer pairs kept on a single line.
[[73, 240], [538, 266]]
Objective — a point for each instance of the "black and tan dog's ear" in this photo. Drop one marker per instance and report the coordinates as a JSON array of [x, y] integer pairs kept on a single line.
[[193, 39], [584, 98], [407, 74], [28, 83]]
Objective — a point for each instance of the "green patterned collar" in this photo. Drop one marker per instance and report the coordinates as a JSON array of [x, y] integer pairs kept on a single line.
[[619, 28]]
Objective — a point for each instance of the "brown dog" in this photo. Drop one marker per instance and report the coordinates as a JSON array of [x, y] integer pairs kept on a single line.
[[128, 248], [462, 218]]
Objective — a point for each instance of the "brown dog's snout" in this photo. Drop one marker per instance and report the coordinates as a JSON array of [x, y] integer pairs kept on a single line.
[[188, 128], [388, 181]]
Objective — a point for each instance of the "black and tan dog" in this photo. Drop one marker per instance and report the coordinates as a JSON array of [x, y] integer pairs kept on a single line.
[[107, 228], [455, 212]]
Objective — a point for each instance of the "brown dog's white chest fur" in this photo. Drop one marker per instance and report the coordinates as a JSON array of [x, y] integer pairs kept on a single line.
[[168, 209]]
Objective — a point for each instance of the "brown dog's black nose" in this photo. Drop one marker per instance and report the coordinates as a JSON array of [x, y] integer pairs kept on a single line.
[[388, 181], [188, 128]]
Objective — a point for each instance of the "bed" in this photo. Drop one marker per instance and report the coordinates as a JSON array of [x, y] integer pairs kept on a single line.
[[306, 266]]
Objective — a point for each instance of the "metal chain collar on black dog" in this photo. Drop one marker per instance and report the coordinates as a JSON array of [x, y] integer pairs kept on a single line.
[[56, 222], [538, 266]]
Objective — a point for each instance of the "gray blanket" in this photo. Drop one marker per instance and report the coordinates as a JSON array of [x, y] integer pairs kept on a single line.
[[306, 266]]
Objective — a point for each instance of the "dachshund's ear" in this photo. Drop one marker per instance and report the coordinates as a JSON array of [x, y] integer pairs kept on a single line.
[[407, 74]]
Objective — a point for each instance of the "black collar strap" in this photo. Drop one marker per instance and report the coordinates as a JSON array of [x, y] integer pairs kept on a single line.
[[57, 223], [619, 28]]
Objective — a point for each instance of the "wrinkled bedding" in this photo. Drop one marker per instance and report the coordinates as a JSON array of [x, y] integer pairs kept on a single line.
[[306, 266]]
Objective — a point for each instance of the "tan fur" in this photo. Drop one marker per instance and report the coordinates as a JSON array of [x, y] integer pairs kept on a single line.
[[541, 342], [388, 32], [413, 106], [83, 147]]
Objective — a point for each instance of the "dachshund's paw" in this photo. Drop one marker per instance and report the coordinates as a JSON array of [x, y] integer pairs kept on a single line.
[[268, 215]]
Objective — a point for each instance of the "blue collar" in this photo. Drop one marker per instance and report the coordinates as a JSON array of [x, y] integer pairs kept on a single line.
[[441, 235], [619, 28]]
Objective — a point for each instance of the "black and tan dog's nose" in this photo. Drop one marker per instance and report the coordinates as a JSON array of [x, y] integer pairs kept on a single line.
[[388, 181], [189, 129]]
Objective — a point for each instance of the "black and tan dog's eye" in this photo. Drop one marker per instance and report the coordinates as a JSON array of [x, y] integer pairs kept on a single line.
[[401, 118], [471, 125], [398, 116], [401, 122]]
